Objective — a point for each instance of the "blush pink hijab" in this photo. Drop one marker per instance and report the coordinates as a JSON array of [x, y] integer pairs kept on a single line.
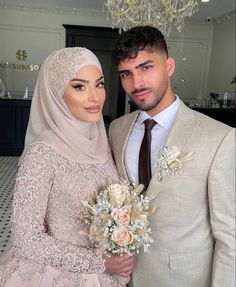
[[50, 120]]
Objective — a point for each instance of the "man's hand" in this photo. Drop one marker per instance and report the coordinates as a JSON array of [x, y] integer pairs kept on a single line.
[[119, 265]]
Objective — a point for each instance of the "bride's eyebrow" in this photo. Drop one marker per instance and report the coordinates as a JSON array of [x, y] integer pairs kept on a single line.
[[85, 81], [80, 80], [99, 79]]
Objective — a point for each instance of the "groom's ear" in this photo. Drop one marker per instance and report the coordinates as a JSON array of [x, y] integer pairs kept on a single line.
[[170, 62]]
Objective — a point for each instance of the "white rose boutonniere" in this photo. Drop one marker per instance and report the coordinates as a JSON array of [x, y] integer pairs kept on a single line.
[[171, 161]]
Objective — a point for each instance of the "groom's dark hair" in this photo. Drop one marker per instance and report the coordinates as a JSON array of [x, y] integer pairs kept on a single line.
[[137, 39]]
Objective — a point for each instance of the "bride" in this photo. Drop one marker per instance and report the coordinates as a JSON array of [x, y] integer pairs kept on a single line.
[[65, 160]]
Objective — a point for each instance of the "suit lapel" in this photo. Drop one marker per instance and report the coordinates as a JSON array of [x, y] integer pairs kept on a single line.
[[124, 136], [179, 136], [183, 128]]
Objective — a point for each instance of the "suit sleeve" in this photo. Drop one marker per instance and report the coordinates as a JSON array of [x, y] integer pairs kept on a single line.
[[221, 188]]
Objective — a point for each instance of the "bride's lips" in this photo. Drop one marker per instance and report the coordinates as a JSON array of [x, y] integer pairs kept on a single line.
[[93, 109]]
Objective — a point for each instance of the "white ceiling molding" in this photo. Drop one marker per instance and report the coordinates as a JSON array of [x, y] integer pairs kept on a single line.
[[224, 18], [53, 10]]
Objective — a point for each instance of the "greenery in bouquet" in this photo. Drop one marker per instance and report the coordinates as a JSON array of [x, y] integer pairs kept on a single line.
[[119, 219]]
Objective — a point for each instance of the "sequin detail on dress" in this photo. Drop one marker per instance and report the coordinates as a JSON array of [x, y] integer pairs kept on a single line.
[[47, 219]]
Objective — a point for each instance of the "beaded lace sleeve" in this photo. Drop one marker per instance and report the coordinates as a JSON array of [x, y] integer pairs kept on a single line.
[[30, 237]]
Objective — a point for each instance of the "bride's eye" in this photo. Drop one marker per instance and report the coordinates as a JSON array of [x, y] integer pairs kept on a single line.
[[100, 84], [79, 87]]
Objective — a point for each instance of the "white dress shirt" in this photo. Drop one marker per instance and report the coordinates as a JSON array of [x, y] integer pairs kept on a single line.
[[160, 132]]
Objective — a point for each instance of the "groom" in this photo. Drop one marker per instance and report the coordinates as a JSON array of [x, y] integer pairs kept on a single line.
[[193, 227]]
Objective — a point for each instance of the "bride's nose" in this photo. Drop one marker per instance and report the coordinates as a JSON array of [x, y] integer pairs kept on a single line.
[[93, 95]]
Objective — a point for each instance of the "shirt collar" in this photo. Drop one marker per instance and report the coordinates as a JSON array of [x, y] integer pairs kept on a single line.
[[165, 118]]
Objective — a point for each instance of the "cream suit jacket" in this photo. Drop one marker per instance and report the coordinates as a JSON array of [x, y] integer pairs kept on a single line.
[[194, 225]]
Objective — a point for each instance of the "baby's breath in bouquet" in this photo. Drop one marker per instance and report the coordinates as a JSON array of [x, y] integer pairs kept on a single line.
[[119, 219]]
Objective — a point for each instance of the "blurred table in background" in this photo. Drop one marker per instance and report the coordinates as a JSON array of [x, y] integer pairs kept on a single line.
[[227, 116], [14, 116]]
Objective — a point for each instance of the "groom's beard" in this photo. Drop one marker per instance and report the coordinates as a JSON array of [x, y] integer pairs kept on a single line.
[[148, 105]]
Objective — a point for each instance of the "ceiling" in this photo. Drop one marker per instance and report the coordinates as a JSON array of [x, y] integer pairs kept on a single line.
[[213, 8]]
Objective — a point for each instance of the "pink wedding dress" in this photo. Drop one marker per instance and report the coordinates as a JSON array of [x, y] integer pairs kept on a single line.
[[50, 248]]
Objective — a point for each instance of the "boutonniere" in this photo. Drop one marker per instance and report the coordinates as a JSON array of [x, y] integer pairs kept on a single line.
[[171, 161]]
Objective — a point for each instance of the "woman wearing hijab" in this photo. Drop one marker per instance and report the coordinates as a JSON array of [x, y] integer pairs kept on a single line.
[[65, 161]]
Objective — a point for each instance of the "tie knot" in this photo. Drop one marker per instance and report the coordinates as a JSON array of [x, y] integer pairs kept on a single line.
[[149, 124]]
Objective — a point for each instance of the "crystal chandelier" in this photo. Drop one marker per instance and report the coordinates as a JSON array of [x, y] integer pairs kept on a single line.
[[162, 14]]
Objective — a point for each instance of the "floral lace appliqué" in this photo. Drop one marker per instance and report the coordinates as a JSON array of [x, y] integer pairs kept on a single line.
[[65, 61], [47, 219]]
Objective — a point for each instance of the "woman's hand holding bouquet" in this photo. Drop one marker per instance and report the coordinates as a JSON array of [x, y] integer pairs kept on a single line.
[[119, 224]]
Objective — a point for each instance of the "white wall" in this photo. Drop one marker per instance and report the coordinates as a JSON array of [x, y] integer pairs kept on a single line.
[[191, 50], [37, 43], [38, 33], [222, 69]]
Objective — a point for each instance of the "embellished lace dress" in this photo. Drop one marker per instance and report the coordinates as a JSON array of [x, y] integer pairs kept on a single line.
[[50, 248]]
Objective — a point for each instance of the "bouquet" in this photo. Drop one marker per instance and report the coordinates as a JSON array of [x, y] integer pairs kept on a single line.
[[119, 219]]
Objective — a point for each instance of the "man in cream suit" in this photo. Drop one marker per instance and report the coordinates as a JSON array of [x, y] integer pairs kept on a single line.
[[194, 223]]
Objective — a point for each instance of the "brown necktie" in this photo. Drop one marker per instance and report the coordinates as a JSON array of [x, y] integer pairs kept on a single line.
[[144, 169]]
